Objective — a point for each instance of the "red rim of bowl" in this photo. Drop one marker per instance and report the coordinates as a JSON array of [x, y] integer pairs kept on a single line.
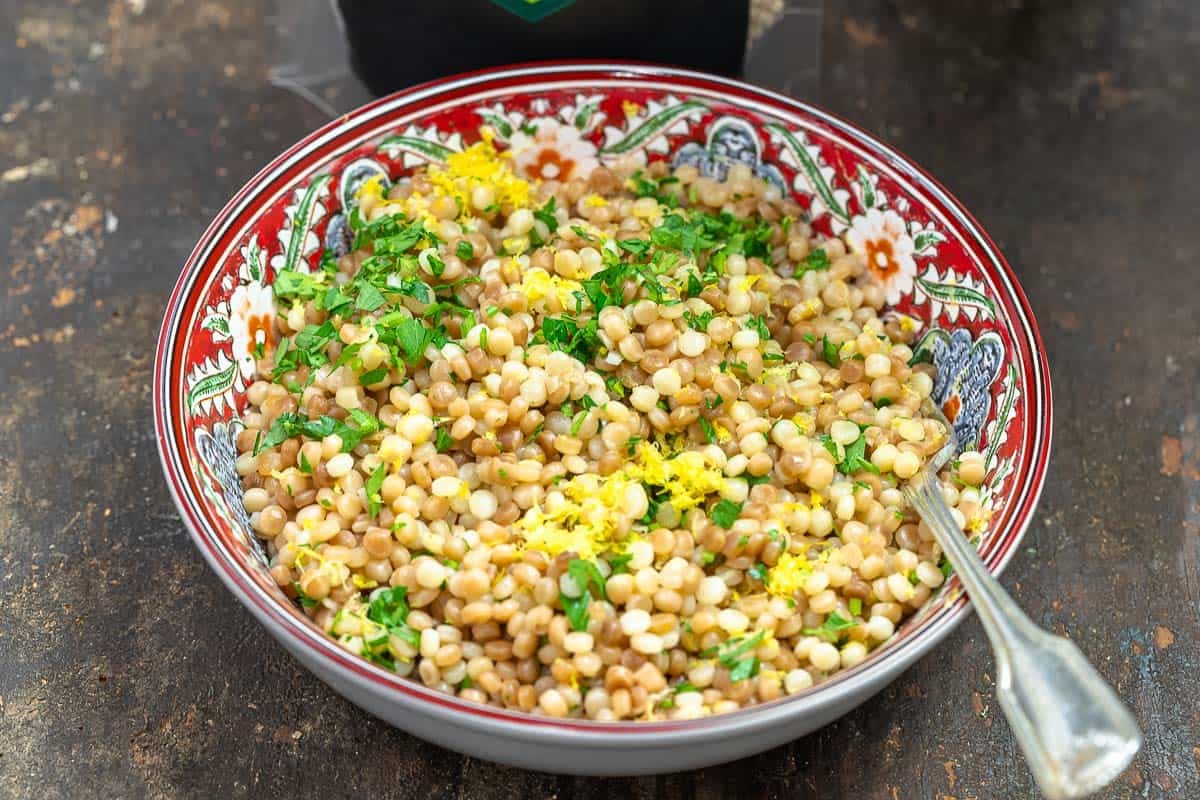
[[299, 634]]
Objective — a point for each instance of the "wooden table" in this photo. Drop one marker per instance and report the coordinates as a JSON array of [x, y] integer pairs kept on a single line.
[[1070, 128]]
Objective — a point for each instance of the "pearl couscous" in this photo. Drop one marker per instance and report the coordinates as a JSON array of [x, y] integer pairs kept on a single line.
[[626, 447]]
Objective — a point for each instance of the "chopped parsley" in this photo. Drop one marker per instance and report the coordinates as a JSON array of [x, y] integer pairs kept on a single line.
[[699, 321], [289, 425], [710, 433], [389, 608], [815, 261], [305, 600], [619, 563], [590, 580], [759, 326], [730, 654], [373, 377], [725, 513], [853, 458], [565, 333], [829, 351], [465, 250], [442, 441], [373, 485], [831, 629]]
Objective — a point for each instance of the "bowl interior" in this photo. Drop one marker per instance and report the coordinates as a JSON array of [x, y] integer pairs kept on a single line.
[[942, 274]]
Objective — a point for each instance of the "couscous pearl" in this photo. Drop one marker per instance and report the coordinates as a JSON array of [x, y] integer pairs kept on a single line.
[[635, 621], [667, 381], [430, 574], [578, 642], [692, 343], [340, 465], [824, 656]]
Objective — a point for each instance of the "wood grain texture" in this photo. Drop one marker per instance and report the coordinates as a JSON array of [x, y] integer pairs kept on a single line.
[[1069, 128]]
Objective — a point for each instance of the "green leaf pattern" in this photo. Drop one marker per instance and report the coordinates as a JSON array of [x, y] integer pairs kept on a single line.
[[648, 128], [210, 384], [415, 145], [813, 176], [297, 235], [953, 294]]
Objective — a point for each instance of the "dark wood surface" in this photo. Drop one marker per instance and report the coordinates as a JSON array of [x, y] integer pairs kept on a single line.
[[1070, 128]]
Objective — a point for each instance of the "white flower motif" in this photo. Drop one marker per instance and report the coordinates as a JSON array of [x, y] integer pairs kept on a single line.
[[556, 152], [882, 237], [251, 324]]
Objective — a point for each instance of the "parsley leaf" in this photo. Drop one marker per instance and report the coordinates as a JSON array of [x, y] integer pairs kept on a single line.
[[374, 483], [465, 250], [413, 336], [620, 563], [815, 261], [587, 577], [566, 334], [759, 326], [829, 351], [730, 654], [700, 321], [305, 600], [725, 513], [856, 458], [369, 298], [373, 377], [831, 629], [443, 441], [389, 608], [545, 214]]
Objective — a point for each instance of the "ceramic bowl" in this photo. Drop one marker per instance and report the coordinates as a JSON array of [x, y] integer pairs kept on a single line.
[[563, 119]]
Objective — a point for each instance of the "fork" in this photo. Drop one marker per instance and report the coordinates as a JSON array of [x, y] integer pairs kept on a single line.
[[1075, 732]]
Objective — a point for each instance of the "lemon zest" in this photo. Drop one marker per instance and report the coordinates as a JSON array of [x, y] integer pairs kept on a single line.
[[537, 284], [788, 575]]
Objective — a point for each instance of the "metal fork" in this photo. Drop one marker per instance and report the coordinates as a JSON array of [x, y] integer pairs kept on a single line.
[[1075, 732]]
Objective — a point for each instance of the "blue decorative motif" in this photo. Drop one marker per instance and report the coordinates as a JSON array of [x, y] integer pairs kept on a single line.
[[966, 370], [338, 238], [218, 452], [731, 140]]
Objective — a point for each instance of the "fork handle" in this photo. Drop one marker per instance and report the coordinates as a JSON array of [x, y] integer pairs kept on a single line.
[[1075, 732]]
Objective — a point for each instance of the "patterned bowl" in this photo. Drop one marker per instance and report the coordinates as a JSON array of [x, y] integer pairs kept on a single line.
[[562, 120]]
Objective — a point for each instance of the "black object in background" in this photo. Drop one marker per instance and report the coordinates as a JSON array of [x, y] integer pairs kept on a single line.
[[394, 45]]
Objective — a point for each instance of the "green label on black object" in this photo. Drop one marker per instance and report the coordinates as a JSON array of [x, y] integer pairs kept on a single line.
[[533, 10]]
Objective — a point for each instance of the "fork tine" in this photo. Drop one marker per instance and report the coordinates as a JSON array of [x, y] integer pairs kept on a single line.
[[950, 448]]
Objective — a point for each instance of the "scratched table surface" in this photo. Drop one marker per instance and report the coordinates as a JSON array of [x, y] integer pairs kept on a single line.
[[127, 671]]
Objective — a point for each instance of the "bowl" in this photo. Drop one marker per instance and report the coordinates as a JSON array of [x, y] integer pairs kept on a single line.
[[943, 273]]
